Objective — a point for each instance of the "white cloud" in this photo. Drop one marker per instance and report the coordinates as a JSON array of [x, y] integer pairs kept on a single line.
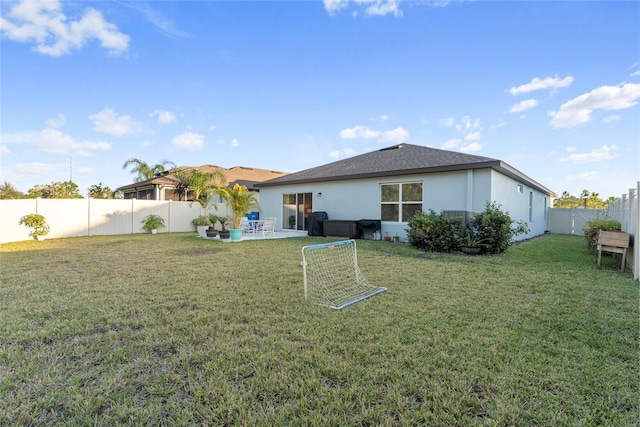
[[157, 19], [359, 132], [334, 6], [586, 176], [524, 105], [345, 152], [35, 169], [384, 117], [635, 74], [470, 132], [597, 155], [538, 84], [473, 136], [467, 124], [235, 143], [189, 141], [471, 148], [371, 7], [396, 135], [380, 7], [451, 144], [108, 121], [54, 141], [448, 122], [164, 117], [4, 149], [43, 23], [578, 110], [57, 123], [611, 118]]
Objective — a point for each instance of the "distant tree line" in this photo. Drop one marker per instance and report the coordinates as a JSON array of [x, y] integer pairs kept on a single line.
[[57, 190], [195, 185], [586, 200]]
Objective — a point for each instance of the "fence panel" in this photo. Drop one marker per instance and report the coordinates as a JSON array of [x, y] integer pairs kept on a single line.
[[108, 218], [87, 217], [571, 220], [10, 213]]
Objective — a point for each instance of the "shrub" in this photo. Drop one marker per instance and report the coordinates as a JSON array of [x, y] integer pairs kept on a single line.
[[591, 228], [153, 222], [435, 232], [37, 222], [496, 229]]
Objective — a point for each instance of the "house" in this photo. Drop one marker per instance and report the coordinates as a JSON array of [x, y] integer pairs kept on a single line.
[[164, 187], [393, 183]]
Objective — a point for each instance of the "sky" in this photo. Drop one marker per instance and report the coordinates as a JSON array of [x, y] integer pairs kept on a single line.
[[551, 88]]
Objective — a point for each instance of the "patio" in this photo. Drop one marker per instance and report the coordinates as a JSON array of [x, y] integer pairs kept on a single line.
[[283, 234]]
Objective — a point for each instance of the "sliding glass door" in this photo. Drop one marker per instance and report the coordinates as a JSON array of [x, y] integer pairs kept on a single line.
[[296, 208]]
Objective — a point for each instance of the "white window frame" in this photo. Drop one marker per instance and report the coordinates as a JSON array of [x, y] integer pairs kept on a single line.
[[401, 202]]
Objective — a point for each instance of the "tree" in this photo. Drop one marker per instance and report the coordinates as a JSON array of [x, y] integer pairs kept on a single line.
[[240, 201], [145, 171], [9, 191], [100, 192], [587, 200], [201, 185], [55, 190]]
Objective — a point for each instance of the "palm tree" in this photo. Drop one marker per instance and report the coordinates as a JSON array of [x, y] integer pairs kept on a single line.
[[202, 185], [240, 201], [145, 171]]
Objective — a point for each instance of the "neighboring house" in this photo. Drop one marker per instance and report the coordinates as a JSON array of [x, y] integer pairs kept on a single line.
[[164, 187], [394, 183]]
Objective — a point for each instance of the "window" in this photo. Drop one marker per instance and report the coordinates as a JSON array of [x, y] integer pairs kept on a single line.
[[399, 202]]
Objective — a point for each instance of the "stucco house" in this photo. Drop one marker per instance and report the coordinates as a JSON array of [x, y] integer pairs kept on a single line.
[[393, 183], [164, 187]]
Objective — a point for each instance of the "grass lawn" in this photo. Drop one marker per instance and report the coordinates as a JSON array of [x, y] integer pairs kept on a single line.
[[176, 330]]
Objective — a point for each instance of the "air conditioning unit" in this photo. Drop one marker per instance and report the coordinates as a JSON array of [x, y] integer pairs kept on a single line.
[[464, 215]]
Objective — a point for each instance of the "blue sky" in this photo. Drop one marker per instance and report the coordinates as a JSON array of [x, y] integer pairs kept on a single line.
[[552, 88]]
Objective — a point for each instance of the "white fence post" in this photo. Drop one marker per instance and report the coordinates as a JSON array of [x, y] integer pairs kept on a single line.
[[625, 209]]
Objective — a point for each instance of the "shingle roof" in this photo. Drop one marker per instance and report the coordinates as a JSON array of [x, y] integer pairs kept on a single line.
[[401, 159], [238, 174]]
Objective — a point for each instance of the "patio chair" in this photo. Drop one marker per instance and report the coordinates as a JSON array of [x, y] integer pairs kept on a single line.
[[269, 226], [245, 225]]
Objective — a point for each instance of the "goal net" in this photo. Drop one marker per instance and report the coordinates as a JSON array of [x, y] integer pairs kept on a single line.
[[332, 277]]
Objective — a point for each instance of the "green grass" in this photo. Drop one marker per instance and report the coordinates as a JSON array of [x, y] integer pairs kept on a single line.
[[175, 330]]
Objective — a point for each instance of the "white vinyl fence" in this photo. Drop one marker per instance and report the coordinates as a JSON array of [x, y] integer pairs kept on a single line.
[[625, 209], [571, 220], [92, 217]]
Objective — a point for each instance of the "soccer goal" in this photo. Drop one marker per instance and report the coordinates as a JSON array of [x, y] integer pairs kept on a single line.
[[332, 277]]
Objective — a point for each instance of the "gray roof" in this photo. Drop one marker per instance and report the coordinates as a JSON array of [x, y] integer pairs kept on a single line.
[[397, 160]]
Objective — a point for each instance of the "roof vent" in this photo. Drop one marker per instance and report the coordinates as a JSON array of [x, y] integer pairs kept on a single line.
[[393, 147]]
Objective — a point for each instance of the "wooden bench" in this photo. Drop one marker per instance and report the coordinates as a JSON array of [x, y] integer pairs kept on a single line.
[[613, 241]]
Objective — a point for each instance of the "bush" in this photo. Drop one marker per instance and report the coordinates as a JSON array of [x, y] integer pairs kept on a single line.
[[435, 232], [153, 222], [591, 228], [496, 229]]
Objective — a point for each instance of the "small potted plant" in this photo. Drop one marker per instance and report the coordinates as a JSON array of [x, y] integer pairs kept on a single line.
[[38, 223], [471, 244], [211, 231], [202, 223], [387, 238], [224, 232], [152, 223]]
